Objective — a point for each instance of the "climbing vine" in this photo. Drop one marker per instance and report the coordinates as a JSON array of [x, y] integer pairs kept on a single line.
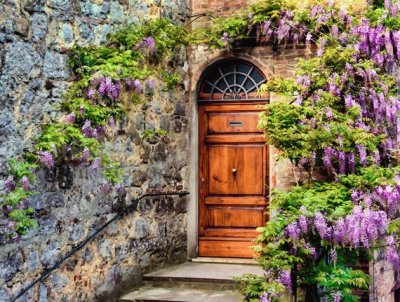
[[337, 119], [135, 63]]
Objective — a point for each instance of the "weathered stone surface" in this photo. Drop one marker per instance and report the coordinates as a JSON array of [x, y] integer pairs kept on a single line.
[[33, 261], [56, 66], [21, 61], [47, 225], [138, 178], [43, 292], [104, 249], [76, 232], [59, 281], [35, 37], [51, 254], [141, 228], [4, 296], [39, 27], [11, 267]]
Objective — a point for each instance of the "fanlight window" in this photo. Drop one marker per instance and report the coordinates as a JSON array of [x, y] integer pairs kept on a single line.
[[231, 80]]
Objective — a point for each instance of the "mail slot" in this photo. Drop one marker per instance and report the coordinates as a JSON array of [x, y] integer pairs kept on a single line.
[[235, 123]]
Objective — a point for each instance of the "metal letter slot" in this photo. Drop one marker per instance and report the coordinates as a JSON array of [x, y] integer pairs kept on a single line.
[[235, 123]]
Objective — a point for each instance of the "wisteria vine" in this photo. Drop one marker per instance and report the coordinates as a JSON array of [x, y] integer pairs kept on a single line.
[[340, 122], [131, 66]]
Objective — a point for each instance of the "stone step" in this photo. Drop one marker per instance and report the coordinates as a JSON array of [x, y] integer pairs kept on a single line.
[[193, 281], [203, 272], [159, 294]]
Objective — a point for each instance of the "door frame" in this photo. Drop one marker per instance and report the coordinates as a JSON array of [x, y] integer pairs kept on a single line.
[[197, 72], [202, 159]]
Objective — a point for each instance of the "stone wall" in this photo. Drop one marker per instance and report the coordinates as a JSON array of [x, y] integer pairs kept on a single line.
[[34, 40]]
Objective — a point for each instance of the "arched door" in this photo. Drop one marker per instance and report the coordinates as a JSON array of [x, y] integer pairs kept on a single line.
[[233, 159]]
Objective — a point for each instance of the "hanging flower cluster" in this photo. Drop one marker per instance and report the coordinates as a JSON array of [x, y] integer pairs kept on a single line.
[[342, 119]]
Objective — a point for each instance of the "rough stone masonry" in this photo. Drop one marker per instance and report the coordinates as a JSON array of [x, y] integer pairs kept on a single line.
[[35, 36]]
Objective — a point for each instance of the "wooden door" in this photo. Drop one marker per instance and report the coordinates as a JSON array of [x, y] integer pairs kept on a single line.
[[233, 179]]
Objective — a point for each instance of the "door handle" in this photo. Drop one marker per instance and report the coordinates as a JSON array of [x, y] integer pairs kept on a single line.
[[234, 170], [203, 179]]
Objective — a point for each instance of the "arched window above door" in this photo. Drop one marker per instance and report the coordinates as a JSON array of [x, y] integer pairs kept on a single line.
[[231, 80]]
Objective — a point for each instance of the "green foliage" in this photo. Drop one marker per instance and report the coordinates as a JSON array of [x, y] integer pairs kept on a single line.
[[20, 168], [149, 133], [253, 286], [341, 279]]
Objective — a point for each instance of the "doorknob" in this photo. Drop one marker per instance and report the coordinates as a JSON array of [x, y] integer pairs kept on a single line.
[[234, 170], [203, 179]]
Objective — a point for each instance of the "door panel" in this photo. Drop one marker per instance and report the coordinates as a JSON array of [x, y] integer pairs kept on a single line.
[[235, 217], [233, 122], [233, 179], [235, 169]]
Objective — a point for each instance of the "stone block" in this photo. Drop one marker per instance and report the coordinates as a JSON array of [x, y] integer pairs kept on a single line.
[[76, 232], [47, 224], [56, 66], [51, 254], [11, 266], [33, 261], [141, 228], [104, 249], [21, 62]]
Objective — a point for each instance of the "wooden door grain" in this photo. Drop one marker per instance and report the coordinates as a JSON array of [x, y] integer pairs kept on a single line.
[[233, 178]]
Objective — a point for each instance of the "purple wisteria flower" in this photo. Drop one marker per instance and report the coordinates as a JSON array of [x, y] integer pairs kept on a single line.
[[9, 183], [129, 84], [70, 118], [105, 188], [309, 38], [225, 38], [322, 226], [87, 129], [293, 231], [362, 154], [321, 47], [392, 254], [47, 159], [264, 298], [91, 94], [85, 155], [342, 162], [138, 86], [335, 31], [25, 183], [150, 43], [111, 122], [120, 190], [96, 164], [109, 89], [285, 278], [337, 297], [303, 223], [351, 162]]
